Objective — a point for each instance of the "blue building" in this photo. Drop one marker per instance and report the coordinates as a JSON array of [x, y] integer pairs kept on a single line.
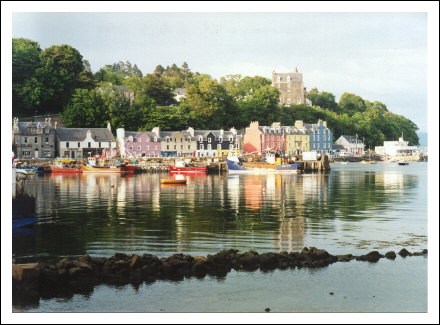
[[321, 137]]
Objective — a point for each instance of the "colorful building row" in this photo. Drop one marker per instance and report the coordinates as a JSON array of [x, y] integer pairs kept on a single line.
[[291, 140], [186, 143]]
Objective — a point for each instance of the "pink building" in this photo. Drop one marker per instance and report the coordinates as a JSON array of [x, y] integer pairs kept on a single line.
[[137, 144], [259, 139]]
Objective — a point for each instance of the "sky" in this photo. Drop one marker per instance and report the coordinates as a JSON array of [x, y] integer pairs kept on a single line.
[[379, 56]]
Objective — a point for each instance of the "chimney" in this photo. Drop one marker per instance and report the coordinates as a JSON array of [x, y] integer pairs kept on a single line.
[[233, 130], [190, 130], [276, 124], [299, 124], [109, 127], [254, 125], [221, 131], [324, 123]]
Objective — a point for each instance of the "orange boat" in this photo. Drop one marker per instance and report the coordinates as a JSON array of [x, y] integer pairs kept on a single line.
[[173, 181], [102, 169]]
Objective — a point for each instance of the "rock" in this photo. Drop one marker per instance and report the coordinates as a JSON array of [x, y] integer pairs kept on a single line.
[[425, 251], [65, 263], [345, 258], [85, 266], [74, 271], [390, 255], [249, 261], [316, 253], [148, 270], [417, 254], [267, 310], [25, 271], [121, 256], [404, 253], [373, 256], [85, 259], [200, 259], [135, 262], [268, 260], [331, 293], [199, 269]]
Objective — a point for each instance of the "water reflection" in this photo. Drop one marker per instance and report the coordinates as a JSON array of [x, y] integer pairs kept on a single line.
[[100, 214]]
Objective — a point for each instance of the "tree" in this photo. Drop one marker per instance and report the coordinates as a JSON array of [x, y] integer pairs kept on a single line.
[[351, 104], [211, 103], [260, 105], [159, 70], [87, 108]]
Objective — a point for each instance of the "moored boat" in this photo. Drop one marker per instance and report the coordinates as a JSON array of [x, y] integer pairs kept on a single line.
[[403, 163], [236, 165], [66, 166], [86, 168], [173, 181], [181, 167]]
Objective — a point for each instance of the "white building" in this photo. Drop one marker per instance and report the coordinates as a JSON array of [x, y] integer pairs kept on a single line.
[[85, 142], [353, 146], [396, 148]]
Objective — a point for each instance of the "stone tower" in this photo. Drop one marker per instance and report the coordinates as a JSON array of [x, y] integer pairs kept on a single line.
[[291, 87]]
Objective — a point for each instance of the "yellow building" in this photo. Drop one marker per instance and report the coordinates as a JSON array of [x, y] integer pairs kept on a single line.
[[297, 142]]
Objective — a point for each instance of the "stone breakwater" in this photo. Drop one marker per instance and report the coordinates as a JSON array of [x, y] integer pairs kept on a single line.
[[69, 275]]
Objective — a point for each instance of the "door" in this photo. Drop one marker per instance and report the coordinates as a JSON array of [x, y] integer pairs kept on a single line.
[[36, 154]]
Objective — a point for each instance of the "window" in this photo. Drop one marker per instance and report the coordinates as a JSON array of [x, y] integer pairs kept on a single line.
[[317, 138], [288, 78], [99, 144], [324, 145], [181, 139], [79, 144], [231, 139], [67, 144], [47, 154], [189, 147], [140, 148], [209, 139], [25, 140], [273, 138], [278, 78], [168, 147], [168, 139], [89, 144], [155, 147], [131, 147], [220, 139], [209, 147], [273, 145], [47, 141], [175, 139], [231, 146], [181, 147], [155, 139], [200, 139], [175, 147], [26, 153], [201, 147], [219, 147], [328, 137], [35, 140]]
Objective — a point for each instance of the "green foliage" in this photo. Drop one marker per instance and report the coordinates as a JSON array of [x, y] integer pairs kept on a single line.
[[25, 59], [323, 99], [351, 104]]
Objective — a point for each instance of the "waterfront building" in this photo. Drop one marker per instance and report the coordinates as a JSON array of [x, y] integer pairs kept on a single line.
[[84, 142], [288, 139], [137, 144], [291, 87], [321, 137], [297, 139], [33, 139], [176, 143], [352, 145], [260, 139], [217, 143], [396, 148]]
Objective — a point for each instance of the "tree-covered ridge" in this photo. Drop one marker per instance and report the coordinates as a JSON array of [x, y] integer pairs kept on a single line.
[[58, 79]]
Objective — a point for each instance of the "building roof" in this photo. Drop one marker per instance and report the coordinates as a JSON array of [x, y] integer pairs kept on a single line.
[[294, 77], [352, 138], [79, 134], [24, 126], [338, 147]]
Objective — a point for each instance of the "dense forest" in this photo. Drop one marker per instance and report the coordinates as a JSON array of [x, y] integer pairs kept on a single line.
[[59, 80]]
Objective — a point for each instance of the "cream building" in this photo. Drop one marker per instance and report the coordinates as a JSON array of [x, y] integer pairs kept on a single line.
[[291, 87]]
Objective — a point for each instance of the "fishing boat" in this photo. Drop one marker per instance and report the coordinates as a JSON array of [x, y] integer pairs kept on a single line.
[[403, 163], [173, 181], [93, 167], [68, 166], [272, 165], [181, 167], [369, 162]]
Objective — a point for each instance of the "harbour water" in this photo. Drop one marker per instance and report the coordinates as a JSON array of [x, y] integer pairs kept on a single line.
[[354, 208]]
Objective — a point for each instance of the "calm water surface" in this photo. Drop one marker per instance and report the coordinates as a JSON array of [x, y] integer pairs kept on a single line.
[[352, 209]]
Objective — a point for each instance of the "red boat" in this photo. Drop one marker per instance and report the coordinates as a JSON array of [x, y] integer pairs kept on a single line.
[[130, 168], [174, 169]]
